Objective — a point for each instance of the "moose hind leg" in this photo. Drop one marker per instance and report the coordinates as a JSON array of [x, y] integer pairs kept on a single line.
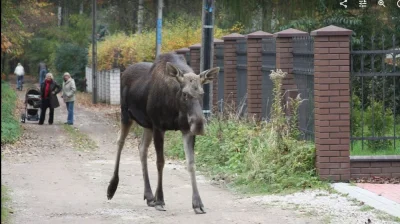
[[112, 187], [143, 149], [188, 143], [159, 145]]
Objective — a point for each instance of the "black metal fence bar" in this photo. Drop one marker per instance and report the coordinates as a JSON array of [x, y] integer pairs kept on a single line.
[[241, 75], [375, 78], [303, 70], [268, 64], [187, 56], [219, 48]]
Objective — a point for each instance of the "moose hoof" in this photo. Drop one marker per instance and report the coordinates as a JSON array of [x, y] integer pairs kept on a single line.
[[199, 210], [160, 208], [151, 203], [112, 187]]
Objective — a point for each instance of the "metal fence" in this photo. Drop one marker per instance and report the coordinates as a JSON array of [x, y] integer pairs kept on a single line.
[[303, 70], [268, 64], [241, 75], [219, 48], [187, 57], [375, 98]]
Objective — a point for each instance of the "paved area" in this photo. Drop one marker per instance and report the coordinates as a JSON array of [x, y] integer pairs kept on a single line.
[[389, 191], [372, 198]]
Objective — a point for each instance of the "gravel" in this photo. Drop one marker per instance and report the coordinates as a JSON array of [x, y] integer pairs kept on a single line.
[[333, 207]]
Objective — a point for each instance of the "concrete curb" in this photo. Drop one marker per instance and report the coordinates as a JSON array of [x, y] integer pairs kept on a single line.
[[369, 198]]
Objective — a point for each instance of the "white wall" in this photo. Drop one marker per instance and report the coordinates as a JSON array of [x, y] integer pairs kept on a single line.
[[108, 85]]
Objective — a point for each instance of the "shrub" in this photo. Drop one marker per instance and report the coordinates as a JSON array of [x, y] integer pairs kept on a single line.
[[10, 127], [261, 157], [71, 58], [122, 50], [376, 121]]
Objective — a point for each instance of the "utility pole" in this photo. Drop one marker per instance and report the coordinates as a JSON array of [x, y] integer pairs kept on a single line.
[[159, 27], [207, 49], [94, 53]]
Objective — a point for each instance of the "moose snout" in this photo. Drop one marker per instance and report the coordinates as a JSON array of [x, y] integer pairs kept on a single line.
[[197, 125]]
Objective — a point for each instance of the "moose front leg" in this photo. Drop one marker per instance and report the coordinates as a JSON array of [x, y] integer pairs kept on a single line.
[[159, 145], [188, 143]]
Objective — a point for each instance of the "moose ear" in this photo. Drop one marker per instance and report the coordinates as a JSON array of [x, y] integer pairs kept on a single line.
[[208, 75], [173, 71]]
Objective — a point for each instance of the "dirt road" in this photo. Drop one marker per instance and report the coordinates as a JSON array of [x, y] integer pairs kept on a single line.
[[51, 181]]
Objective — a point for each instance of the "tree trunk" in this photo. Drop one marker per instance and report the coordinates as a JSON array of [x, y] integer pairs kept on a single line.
[[59, 13], [140, 17], [81, 8]]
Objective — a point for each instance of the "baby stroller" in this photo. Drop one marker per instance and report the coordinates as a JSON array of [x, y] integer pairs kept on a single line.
[[32, 106]]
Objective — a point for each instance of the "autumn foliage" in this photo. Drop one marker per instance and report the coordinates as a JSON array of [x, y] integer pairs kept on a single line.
[[121, 50]]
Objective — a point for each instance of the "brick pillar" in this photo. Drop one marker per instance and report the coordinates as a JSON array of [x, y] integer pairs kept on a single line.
[[215, 80], [230, 91], [332, 102], [195, 57], [183, 51], [284, 57], [254, 73]]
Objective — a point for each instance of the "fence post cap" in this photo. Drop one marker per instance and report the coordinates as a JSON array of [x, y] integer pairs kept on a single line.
[[331, 31], [233, 36], [217, 41], [258, 35], [182, 50], [195, 46], [290, 33]]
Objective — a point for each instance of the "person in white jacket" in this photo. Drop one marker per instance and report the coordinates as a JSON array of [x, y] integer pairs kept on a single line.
[[19, 72], [68, 95]]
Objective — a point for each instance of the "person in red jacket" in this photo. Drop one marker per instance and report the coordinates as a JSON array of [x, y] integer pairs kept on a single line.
[[49, 90]]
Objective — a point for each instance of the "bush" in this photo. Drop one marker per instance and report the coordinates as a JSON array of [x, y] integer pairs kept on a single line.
[[10, 127], [376, 121], [260, 157], [71, 58], [121, 50]]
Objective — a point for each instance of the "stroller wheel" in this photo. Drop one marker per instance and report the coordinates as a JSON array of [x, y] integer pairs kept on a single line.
[[23, 118]]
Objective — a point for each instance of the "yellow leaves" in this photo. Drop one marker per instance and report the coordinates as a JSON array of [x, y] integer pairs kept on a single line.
[[125, 50], [5, 44], [238, 27]]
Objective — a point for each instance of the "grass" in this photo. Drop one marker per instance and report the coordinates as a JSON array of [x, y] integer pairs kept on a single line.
[[358, 150], [4, 208], [80, 140], [10, 126], [253, 157]]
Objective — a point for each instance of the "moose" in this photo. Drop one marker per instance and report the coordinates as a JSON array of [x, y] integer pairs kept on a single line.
[[162, 96]]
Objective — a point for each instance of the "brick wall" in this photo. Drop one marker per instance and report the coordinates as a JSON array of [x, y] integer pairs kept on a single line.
[[368, 167], [230, 85], [195, 57], [254, 73], [284, 56], [332, 102]]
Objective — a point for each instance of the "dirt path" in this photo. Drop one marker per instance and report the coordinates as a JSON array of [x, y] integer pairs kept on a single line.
[[52, 182]]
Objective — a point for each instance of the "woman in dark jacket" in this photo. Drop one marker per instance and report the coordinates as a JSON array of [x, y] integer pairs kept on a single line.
[[49, 90]]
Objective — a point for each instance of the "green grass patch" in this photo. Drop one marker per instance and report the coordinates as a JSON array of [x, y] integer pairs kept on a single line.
[[80, 140], [4, 205], [10, 126], [358, 149], [255, 157], [243, 154]]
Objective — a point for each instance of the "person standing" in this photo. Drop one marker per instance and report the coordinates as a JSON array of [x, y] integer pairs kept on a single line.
[[19, 72], [68, 96], [42, 72], [49, 90]]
